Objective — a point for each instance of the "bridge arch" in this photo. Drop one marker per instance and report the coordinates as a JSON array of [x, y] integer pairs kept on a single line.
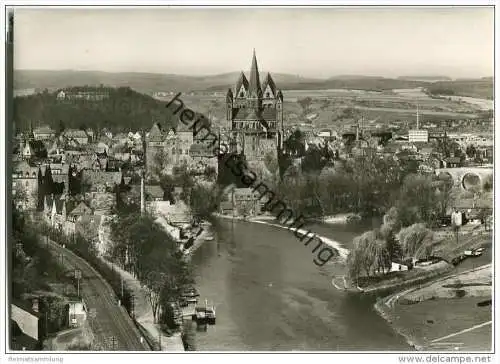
[[471, 180]]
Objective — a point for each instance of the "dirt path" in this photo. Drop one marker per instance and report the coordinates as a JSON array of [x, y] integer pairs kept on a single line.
[[144, 313]]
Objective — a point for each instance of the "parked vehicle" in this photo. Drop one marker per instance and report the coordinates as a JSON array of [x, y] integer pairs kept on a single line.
[[474, 252]]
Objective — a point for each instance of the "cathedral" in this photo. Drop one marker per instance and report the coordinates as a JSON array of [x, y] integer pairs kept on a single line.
[[254, 114]]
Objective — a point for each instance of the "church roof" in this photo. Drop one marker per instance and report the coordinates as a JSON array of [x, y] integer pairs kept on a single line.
[[101, 177], [155, 132], [229, 95], [253, 115], [269, 114], [254, 88], [240, 114], [44, 129], [241, 81], [269, 82], [80, 209]]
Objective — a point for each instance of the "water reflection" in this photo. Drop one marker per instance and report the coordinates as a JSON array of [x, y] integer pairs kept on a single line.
[[271, 296]]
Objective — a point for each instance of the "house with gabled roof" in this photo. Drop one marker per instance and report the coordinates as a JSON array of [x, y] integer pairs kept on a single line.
[[74, 217], [44, 132], [26, 325], [79, 136], [101, 181]]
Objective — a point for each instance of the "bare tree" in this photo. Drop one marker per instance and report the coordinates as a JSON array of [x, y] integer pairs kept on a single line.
[[155, 283]]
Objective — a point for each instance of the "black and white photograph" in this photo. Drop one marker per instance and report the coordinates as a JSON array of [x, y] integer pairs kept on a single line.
[[259, 178]]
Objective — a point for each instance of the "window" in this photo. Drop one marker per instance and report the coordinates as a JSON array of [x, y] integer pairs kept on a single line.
[[242, 94], [267, 94]]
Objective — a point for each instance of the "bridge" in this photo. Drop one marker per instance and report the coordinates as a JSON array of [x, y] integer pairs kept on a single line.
[[467, 177]]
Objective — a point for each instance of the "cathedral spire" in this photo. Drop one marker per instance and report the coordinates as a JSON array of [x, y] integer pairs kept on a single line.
[[254, 88]]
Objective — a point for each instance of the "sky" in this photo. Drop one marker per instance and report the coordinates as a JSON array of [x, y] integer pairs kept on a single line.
[[311, 42]]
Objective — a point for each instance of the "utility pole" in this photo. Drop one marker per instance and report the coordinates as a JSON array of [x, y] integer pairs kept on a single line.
[[46, 323], [132, 308], [122, 287], [78, 276], [159, 337]]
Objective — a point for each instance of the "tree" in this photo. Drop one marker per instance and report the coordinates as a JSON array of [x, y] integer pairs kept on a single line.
[[417, 201], [156, 283], [305, 103], [314, 160], [484, 215], [488, 183], [416, 241], [160, 163], [471, 151], [393, 247], [204, 200], [295, 144], [152, 255], [61, 127], [210, 172], [444, 195], [167, 184], [272, 166]]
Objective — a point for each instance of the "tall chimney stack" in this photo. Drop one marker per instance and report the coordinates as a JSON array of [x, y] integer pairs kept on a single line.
[[418, 121]]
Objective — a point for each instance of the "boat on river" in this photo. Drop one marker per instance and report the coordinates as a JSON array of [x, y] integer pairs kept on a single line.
[[204, 315], [189, 296]]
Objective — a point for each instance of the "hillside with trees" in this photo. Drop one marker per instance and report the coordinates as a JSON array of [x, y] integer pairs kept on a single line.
[[123, 109], [481, 88]]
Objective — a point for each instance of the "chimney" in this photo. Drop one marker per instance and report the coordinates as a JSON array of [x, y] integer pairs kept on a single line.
[[418, 121], [35, 305], [143, 202]]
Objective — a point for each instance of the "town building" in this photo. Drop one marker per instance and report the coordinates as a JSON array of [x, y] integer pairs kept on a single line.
[[25, 320], [418, 136], [77, 313], [44, 133], [88, 95], [80, 136], [241, 202], [26, 180], [254, 114], [172, 146]]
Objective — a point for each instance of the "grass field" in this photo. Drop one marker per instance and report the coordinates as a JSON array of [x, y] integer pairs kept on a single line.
[[329, 107], [435, 319]]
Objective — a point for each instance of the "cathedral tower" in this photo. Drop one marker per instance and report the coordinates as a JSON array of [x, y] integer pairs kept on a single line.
[[254, 114]]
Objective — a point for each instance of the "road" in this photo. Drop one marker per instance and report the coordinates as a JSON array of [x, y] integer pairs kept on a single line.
[[110, 323]]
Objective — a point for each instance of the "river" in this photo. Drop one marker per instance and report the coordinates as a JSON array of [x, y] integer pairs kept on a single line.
[[269, 295]]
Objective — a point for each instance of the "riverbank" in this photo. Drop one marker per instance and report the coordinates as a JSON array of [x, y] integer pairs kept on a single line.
[[198, 242], [340, 218], [265, 220], [143, 314], [427, 316]]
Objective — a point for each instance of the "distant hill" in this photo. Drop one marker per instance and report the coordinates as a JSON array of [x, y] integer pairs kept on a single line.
[[143, 82], [370, 83], [352, 77], [123, 109], [425, 78], [479, 88], [150, 83]]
